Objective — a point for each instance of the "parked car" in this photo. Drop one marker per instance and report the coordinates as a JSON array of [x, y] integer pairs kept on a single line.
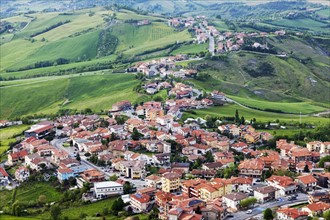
[[249, 211]]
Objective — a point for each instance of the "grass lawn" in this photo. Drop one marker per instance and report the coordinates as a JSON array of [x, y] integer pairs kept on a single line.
[[6, 135], [229, 111], [91, 91]]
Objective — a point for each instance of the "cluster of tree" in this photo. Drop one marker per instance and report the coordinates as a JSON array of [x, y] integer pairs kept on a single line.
[[259, 49], [95, 160], [248, 202], [136, 135], [107, 43], [320, 133], [203, 76], [263, 69], [50, 28], [231, 170], [121, 119]]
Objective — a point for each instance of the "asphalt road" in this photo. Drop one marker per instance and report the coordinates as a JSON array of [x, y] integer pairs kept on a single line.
[[58, 143], [258, 210]]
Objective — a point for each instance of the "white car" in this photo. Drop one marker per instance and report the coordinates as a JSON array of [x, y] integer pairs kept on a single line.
[[249, 211]]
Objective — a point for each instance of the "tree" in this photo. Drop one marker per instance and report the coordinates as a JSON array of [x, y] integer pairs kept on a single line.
[[78, 157], [323, 160], [55, 212], [246, 203], [306, 169], [42, 199], [209, 157], [237, 119], [105, 211], [114, 177], [158, 99], [136, 135], [118, 205], [242, 120], [268, 214], [326, 215], [127, 187], [113, 136]]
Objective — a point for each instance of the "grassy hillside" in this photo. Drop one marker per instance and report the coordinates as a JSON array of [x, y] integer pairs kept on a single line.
[[6, 136], [95, 91], [261, 116], [135, 40], [249, 75]]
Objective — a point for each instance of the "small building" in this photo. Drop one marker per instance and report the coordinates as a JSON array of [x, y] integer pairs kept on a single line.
[[22, 174], [291, 214], [39, 131], [316, 209], [306, 183], [233, 200], [140, 202], [108, 189], [265, 194]]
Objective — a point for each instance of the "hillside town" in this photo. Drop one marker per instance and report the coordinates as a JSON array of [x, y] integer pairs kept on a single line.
[[225, 41], [183, 168]]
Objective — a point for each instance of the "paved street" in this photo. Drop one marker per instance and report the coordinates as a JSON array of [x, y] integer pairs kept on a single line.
[[58, 143], [258, 210]]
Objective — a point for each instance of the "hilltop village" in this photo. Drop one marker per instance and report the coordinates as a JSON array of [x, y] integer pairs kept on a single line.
[[153, 160]]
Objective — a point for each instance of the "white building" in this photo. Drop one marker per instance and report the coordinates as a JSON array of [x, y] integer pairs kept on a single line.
[[108, 188]]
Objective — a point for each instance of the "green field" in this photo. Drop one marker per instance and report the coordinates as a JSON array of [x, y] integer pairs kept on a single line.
[[302, 23], [6, 135], [324, 13], [143, 38], [261, 116], [296, 108], [54, 70], [191, 49], [290, 81], [91, 91], [31, 192]]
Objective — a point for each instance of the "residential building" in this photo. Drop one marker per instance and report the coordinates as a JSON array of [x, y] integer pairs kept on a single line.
[[3, 176], [291, 214], [92, 176], [266, 193], [22, 174], [306, 183], [171, 181], [251, 168], [233, 200], [39, 131], [153, 181], [214, 210], [316, 209], [284, 184], [65, 173], [319, 196], [140, 202]]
